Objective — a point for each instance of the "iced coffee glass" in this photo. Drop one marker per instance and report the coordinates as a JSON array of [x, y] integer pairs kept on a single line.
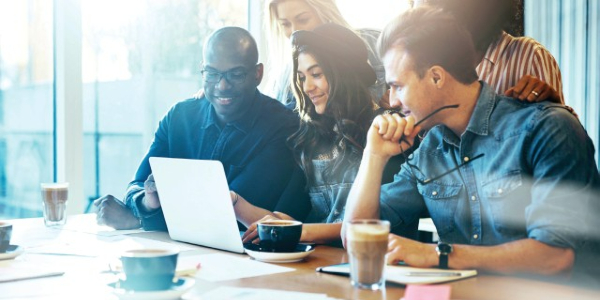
[[54, 199], [367, 242]]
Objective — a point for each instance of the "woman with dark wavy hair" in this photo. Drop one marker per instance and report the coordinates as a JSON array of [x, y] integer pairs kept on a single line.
[[331, 79]]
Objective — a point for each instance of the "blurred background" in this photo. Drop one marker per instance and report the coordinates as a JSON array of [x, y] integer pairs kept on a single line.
[[83, 83]]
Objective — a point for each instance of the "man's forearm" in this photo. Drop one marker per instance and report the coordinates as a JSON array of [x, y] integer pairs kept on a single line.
[[247, 213], [321, 233], [363, 200], [522, 256]]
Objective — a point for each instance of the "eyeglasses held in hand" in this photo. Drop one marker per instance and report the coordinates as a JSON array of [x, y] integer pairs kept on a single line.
[[408, 158]]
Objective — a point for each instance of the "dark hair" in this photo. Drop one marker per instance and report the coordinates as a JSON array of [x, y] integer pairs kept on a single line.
[[347, 117], [432, 37]]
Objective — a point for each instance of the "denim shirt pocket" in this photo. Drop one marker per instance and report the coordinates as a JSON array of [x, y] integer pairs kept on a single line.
[[320, 207], [441, 200], [505, 203]]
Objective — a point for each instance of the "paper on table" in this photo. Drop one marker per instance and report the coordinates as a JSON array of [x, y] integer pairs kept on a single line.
[[427, 292], [225, 292], [87, 224], [221, 267], [408, 275], [93, 247], [21, 271]]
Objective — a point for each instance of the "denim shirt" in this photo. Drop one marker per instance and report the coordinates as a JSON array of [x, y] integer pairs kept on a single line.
[[257, 162], [535, 180], [328, 195], [370, 37]]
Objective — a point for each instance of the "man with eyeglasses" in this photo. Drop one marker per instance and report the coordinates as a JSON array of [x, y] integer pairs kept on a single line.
[[509, 185], [233, 123]]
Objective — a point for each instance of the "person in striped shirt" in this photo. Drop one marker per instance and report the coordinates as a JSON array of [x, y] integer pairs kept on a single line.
[[518, 67]]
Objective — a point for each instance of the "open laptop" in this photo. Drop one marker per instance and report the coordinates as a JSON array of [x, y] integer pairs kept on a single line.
[[194, 196]]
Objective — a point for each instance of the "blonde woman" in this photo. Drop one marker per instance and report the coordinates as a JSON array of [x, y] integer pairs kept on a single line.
[[287, 16]]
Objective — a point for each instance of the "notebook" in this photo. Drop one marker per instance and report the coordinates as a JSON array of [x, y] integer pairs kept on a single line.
[[407, 275], [195, 200]]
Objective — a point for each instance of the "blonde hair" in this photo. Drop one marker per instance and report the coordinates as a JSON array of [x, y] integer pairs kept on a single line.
[[280, 53]]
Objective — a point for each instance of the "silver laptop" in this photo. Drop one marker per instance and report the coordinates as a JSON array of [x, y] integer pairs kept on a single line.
[[194, 196]]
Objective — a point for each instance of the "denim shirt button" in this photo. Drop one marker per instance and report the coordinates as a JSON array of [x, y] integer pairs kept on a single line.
[[473, 198], [466, 159], [500, 191], [434, 193], [475, 236]]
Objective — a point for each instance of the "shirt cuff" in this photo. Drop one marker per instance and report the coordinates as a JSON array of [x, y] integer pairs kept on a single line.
[[553, 237], [150, 220]]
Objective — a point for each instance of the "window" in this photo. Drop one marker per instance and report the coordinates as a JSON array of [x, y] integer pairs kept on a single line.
[[372, 14], [139, 58], [570, 30], [26, 105]]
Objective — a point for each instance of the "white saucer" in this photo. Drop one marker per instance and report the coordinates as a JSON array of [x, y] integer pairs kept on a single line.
[[279, 257], [175, 292], [13, 251]]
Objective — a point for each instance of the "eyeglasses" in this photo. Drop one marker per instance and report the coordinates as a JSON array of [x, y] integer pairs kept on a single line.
[[429, 180], [408, 158], [233, 77]]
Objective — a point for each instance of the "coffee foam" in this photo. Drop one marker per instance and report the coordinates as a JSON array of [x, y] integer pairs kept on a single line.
[[367, 232], [280, 223], [150, 252]]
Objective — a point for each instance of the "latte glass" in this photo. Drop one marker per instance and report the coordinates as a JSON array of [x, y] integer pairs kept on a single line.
[[367, 242], [54, 199]]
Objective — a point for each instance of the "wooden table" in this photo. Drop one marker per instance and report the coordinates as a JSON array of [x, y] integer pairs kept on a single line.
[[86, 282]]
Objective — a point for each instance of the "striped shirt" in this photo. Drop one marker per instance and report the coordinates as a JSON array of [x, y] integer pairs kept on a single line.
[[509, 59]]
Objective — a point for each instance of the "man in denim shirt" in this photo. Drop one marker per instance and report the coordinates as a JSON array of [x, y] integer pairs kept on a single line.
[[233, 123], [509, 185]]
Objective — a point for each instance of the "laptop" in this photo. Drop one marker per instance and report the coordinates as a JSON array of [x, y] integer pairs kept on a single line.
[[194, 196]]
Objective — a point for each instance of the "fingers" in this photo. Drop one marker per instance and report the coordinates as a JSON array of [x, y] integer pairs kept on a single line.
[[545, 94], [410, 125], [529, 88], [394, 250], [100, 217], [250, 235], [519, 87], [199, 94], [150, 185], [391, 127]]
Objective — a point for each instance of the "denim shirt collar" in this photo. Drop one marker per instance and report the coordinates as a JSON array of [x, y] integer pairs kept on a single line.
[[479, 123], [243, 124]]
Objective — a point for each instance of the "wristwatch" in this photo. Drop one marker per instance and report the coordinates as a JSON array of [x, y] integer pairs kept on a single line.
[[443, 250]]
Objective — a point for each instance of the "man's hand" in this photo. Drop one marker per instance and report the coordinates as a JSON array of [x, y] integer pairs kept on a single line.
[[113, 212], [199, 94], [151, 200], [413, 253], [385, 133], [530, 88]]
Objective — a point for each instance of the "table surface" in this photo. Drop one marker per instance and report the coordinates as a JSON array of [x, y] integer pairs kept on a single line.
[[31, 233]]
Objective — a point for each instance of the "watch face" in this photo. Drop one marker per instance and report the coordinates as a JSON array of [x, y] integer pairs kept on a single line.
[[444, 248]]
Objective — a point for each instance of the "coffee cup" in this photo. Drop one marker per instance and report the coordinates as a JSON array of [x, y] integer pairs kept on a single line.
[[367, 244], [5, 235], [280, 235], [149, 269], [54, 200]]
